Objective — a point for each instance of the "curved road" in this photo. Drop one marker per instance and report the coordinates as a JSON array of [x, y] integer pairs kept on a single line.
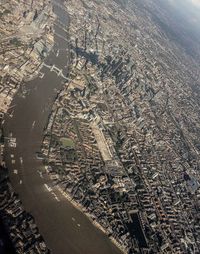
[[64, 228]]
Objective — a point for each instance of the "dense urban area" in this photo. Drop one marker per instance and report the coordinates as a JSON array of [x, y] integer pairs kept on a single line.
[[122, 140]]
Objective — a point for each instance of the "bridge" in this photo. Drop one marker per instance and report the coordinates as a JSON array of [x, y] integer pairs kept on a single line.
[[59, 72], [61, 25], [62, 37]]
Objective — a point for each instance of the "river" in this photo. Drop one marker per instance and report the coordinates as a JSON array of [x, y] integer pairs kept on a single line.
[[64, 228]]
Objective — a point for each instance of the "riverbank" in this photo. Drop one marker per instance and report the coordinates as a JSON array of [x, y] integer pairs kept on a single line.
[[95, 223]]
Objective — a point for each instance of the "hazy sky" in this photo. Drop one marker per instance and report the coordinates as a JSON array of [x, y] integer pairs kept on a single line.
[[182, 18], [188, 5], [195, 3], [189, 8]]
